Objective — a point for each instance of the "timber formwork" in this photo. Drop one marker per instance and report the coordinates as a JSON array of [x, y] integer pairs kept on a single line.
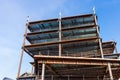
[[69, 48]]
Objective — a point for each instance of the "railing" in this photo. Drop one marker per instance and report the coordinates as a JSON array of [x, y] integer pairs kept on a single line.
[[78, 54], [66, 53]]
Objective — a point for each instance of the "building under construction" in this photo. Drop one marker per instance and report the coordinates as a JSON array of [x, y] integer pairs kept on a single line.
[[69, 48]]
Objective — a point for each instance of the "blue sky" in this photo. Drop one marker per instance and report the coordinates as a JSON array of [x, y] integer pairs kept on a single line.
[[13, 15]]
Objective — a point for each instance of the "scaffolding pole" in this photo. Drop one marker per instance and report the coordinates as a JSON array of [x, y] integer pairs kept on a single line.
[[101, 50], [52, 77], [83, 77], [105, 73], [97, 77], [60, 35], [43, 71], [36, 67], [22, 51], [100, 42], [32, 71], [115, 47], [110, 71], [68, 77]]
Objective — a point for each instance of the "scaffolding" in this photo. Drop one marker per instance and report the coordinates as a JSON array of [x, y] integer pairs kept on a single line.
[[69, 48]]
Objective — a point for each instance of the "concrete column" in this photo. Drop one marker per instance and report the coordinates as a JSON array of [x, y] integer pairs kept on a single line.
[[43, 71], [110, 71]]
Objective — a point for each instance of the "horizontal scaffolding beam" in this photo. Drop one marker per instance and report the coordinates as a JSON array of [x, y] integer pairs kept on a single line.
[[63, 29], [56, 19], [75, 60], [63, 41]]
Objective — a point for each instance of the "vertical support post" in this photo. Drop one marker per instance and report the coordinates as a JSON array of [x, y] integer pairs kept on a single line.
[[38, 72], [110, 71], [48, 53], [101, 50], [100, 42], [105, 73], [115, 47], [52, 77], [60, 48], [32, 69], [43, 71], [60, 36], [67, 53], [97, 77], [36, 67], [83, 77], [68, 77], [22, 51]]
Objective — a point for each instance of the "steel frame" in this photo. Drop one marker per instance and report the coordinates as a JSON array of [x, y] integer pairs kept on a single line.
[[47, 61]]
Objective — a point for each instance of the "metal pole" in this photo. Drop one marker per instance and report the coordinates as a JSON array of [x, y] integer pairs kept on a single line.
[[101, 50], [94, 10], [68, 77], [48, 53], [36, 67], [100, 42], [52, 77], [115, 47], [83, 77], [32, 69], [105, 73], [97, 77], [110, 71], [60, 46], [38, 72], [22, 51], [43, 71]]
